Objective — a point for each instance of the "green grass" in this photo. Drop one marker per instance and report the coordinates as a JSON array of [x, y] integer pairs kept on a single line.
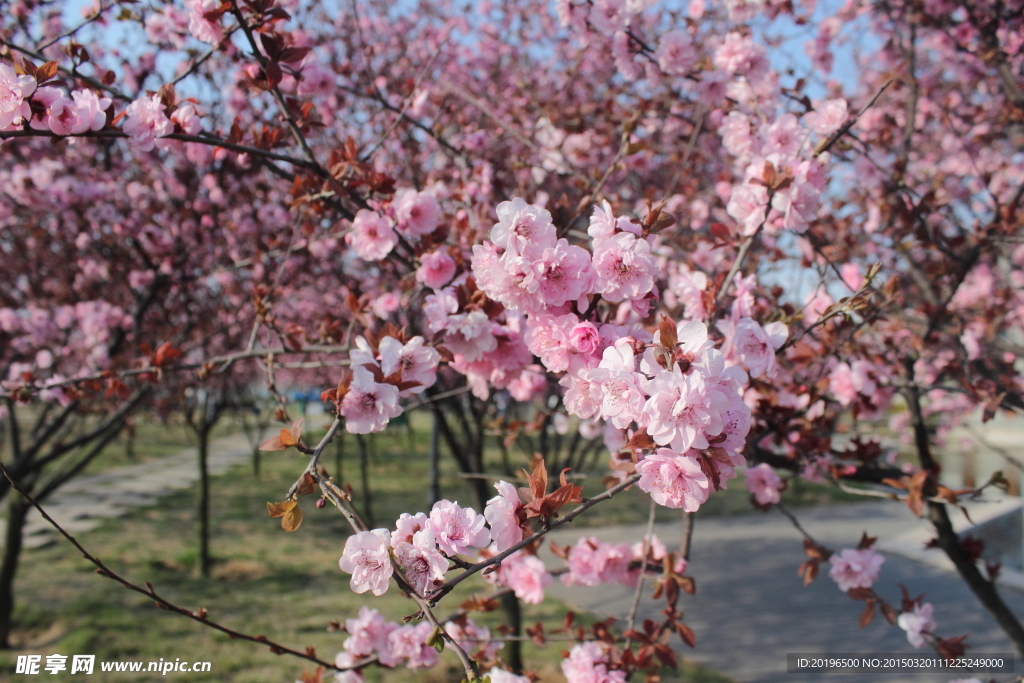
[[285, 586]]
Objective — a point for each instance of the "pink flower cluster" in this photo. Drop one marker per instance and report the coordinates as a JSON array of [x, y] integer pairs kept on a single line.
[[855, 568], [421, 545], [15, 91], [593, 562], [525, 574], [369, 405], [55, 111], [764, 484], [686, 398], [783, 145], [588, 663], [83, 112], [863, 384], [919, 624], [394, 645], [411, 214]]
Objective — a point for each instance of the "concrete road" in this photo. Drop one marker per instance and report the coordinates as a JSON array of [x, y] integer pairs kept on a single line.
[[751, 608]]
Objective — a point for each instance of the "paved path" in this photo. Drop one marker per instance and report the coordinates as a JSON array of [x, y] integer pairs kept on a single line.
[[751, 608], [81, 504]]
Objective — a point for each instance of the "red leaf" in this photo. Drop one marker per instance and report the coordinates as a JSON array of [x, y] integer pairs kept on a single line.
[[868, 614], [273, 72], [686, 634], [641, 440]]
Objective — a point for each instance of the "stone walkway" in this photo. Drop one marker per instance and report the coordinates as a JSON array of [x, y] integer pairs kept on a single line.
[[84, 502], [751, 608]]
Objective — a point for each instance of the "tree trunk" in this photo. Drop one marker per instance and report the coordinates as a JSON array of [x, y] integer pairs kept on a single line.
[[364, 472], [434, 492], [256, 462], [510, 603], [17, 511], [204, 500]]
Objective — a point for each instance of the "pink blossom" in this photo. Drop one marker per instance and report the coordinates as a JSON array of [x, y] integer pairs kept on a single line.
[[146, 121], [764, 484], [199, 26], [783, 136], [798, 204], [977, 286], [470, 334], [530, 382], [58, 113], [971, 338], [416, 212], [15, 91], [585, 338], [386, 304], [473, 638], [317, 80], [422, 563], [438, 306], [847, 381], [816, 304], [458, 529], [372, 236], [855, 568], [827, 117], [739, 54], [623, 266], [416, 361], [186, 118], [603, 222], [608, 16], [488, 268], [736, 136], [501, 514], [436, 269], [587, 663], [409, 643], [525, 574], [368, 633], [755, 346], [549, 338], [621, 397], [683, 411], [502, 676], [675, 53], [748, 205], [592, 562], [522, 227], [90, 111], [673, 480], [919, 625], [583, 397], [563, 273], [368, 406], [366, 558], [406, 527]]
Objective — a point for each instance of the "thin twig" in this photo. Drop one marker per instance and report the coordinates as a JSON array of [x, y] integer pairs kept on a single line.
[[447, 586], [849, 124], [164, 604], [638, 593]]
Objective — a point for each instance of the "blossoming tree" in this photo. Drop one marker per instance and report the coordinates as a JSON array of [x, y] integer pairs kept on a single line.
[[652, 227]]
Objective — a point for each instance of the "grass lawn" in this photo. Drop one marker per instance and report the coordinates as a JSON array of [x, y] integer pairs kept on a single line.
[[286, 586]]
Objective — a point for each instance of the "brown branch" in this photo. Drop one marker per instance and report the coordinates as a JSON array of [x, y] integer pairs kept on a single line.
[[447, 586], [948, 540], [834, 138], [164, 604]]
